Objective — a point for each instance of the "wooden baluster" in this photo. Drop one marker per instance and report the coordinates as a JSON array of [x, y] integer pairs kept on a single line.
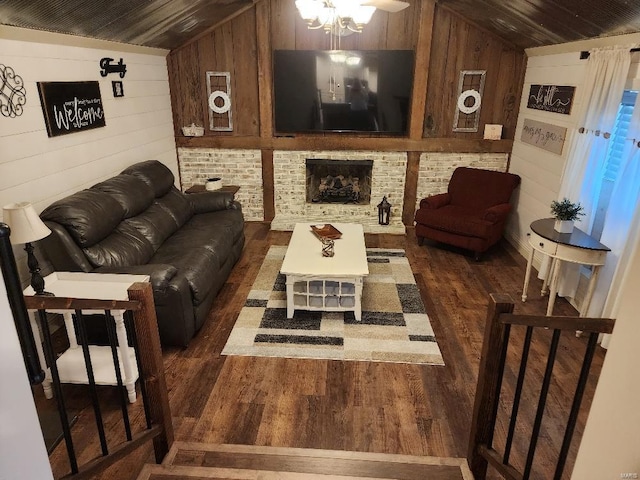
[[151, 367], [489, 377]]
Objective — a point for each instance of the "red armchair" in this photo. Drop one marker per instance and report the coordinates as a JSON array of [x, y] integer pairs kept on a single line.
[[473, 212]]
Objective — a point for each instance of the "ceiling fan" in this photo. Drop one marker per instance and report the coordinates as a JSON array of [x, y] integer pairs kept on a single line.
[[343, 17], [391, 6]]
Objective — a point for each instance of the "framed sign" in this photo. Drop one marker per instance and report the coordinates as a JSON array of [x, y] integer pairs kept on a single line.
[[70, 107], [118, 89], [551, 98], [543, 135]]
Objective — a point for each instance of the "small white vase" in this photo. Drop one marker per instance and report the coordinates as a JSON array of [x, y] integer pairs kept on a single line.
[[563, 226]]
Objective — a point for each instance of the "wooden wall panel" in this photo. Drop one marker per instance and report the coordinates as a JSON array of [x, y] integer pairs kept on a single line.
[[229, 48], [449, 44], [245, 73], [188, 64], [464, 46]]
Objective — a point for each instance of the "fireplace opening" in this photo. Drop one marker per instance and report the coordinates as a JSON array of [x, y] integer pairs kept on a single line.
[[338, 181]]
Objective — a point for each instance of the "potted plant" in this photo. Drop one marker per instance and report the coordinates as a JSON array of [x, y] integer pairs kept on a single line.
[[565, 212]]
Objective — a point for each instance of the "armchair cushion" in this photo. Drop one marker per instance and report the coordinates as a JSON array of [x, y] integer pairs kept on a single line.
[[436, 201]]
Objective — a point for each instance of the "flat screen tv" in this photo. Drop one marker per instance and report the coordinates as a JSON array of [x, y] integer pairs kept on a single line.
[[342, 91]]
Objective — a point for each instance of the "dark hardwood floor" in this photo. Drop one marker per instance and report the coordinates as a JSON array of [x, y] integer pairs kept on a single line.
[[358, 406]]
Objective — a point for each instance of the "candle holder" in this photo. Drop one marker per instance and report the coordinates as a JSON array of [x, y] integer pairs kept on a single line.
[[327, 247]]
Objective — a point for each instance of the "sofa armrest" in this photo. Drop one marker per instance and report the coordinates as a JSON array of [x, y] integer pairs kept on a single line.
[[203, 202], [497, 213], [435, 201], [160, 274]]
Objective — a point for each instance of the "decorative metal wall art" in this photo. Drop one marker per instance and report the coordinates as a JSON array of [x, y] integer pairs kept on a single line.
[[70, 107], [219, 100], [107, 68], [13, 95], [470, 90]]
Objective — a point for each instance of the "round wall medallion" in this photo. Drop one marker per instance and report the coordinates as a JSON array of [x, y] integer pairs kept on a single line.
[[463, 98], [226, 101]]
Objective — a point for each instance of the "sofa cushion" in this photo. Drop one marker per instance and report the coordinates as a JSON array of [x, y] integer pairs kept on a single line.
[[197, 264], [454, 219], [130, 192], [175, 203], [125, 246], [156, 224], [229, 222], [153, 173], [89, 215], [198, 250]]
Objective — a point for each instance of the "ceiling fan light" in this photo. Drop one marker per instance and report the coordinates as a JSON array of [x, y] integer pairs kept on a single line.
[[326, 16], [308, 9], [362, 15]]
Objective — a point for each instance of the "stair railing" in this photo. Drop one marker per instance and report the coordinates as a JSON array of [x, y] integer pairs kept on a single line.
[[492, 363], [141, 319]]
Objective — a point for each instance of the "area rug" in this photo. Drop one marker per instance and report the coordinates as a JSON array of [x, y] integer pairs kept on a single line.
[[394, 325]]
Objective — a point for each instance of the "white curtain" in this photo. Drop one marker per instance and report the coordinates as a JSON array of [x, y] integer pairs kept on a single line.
[[605, 78], [622, 224]]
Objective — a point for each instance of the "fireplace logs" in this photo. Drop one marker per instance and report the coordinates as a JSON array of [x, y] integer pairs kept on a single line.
[[338, 189], [339, 181]]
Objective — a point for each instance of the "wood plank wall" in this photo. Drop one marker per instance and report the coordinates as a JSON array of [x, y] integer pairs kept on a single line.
[[447, 42], [459, 45]]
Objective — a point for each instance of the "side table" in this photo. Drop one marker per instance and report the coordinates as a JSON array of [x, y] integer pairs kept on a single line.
[[574, 247], [201, 188], [71, 365]]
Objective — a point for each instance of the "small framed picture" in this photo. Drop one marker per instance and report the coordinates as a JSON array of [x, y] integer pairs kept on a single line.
[[118, 90]]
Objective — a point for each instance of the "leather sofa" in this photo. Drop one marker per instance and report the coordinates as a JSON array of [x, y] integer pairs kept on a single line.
[[472, 214], [139, 222]]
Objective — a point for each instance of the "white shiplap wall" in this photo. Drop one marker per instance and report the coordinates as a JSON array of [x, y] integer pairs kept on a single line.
[[609, 443], [139, 126], [39, 169], [541, 171]]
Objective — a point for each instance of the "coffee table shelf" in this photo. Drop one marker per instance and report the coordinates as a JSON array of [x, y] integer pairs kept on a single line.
[[326, 294]]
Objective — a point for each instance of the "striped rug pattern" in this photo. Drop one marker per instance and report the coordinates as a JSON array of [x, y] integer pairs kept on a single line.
[[394, 325]]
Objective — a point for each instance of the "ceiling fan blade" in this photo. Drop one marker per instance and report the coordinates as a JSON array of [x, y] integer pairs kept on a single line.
[[391, 6]]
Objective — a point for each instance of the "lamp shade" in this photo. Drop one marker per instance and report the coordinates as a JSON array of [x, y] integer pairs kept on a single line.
[[24, 222]]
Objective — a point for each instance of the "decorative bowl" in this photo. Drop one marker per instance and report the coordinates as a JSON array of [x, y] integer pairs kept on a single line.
[[193, 130], [214, 183]]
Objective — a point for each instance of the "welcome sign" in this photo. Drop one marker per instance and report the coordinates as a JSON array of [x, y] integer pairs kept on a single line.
[[70, 107]]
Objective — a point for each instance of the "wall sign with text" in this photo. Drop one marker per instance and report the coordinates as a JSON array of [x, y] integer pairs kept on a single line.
[[70, 107], [551, 98], [543, 135]]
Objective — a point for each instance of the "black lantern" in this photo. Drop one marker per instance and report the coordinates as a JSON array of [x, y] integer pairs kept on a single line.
[[384, 211]]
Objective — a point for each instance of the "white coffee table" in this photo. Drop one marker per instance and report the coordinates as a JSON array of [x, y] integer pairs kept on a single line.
[[332, 284]]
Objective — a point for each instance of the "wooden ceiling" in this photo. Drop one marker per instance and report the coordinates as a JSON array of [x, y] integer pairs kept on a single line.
[[170, 23], [535, 23]]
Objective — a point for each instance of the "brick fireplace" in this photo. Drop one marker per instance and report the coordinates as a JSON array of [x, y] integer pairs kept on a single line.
[[292, 204]]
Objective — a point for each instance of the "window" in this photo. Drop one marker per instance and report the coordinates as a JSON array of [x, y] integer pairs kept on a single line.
[[617, 146]]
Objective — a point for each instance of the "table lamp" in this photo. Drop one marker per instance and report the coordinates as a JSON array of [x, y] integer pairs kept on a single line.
[[26, 227]]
